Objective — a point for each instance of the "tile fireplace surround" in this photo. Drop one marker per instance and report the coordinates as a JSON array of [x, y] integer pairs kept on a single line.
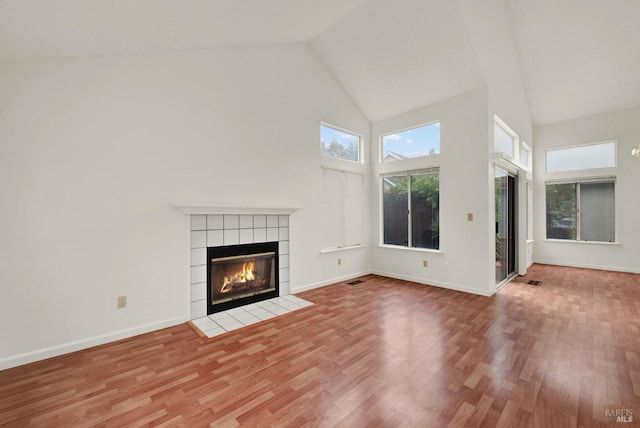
[[210, 226]]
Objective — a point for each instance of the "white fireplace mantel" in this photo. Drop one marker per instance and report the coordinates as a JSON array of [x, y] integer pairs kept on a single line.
[[195, 209]]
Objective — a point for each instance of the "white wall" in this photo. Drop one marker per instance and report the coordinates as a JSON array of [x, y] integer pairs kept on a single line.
[[624, 127], [93, 152], [490, 32], [461, 263], [491, 35]]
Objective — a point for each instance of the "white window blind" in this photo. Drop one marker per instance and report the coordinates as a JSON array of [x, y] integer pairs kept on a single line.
[[343, 210], [597, 212]]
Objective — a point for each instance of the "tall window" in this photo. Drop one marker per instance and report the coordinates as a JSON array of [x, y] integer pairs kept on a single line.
[[411, 208], [339, 144], [343, 188], [581, 210], [411, 143]]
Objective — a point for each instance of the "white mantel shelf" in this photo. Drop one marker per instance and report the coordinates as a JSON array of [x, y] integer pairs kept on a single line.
[[195, 209]]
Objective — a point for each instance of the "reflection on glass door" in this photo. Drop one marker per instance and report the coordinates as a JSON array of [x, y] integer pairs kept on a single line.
[[505, 225]]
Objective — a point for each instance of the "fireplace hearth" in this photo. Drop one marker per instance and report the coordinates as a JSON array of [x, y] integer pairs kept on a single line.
[[241, 274]]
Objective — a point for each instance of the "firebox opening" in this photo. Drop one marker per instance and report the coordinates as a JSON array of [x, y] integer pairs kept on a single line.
[[241, 274]]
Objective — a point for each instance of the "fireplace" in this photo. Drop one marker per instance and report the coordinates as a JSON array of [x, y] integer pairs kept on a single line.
[[241, 274]]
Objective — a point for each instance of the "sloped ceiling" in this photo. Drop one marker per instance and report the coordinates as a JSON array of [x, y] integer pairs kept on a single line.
[[576, 57], [394, 56], [31, 29]]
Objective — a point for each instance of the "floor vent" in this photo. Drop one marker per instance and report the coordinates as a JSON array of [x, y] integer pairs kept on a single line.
[[532, 282], [356, 282]]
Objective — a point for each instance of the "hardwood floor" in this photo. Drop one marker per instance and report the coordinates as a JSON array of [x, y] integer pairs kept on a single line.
[[381, 353]]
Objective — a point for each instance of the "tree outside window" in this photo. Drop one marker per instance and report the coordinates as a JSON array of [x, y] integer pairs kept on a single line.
[[411, 209]]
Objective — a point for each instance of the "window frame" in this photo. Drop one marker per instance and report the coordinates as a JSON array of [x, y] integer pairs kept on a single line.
[[515, 139], [578, 210], [410, 241], [330, 160], [422, 125], [577, 146], [344, 166]]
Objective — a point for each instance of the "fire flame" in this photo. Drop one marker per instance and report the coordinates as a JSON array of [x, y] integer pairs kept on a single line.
[[242, 276]]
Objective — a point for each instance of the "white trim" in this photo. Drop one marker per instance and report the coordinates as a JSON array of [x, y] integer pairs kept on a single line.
[[331, 281], [407, 173], [347, 247], [447, 285], [503, 161], [599, 179], [194, 209], [424, 125], [575, 241], [361, 156], [410, 164], [417, 249], [409, 278], [54, 351], [589, 266]]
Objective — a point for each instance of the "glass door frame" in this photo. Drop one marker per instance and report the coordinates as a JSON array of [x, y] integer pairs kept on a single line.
[[506, 229]]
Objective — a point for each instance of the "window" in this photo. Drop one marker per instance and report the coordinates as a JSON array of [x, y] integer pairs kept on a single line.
[[343, 188], [581, 210], [504, 140], [599, 155], [411, 143], [411, 208], [343, 206], [339, 144]]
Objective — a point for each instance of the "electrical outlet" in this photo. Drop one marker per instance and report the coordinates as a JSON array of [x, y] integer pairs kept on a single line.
[[339, 262], [122, 302], [425, 263]]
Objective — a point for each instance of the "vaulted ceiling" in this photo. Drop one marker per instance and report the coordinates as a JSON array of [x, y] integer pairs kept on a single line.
[[576, 57]]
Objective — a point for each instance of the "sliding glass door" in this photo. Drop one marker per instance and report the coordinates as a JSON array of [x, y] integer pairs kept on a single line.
[[505, 189]]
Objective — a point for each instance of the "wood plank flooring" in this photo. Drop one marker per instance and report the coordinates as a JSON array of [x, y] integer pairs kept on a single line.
[[382, 353]]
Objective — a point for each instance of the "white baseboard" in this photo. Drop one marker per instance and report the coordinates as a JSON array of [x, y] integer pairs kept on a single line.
[[449, 286], [54, 351], [311, 286], [589, 266]]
